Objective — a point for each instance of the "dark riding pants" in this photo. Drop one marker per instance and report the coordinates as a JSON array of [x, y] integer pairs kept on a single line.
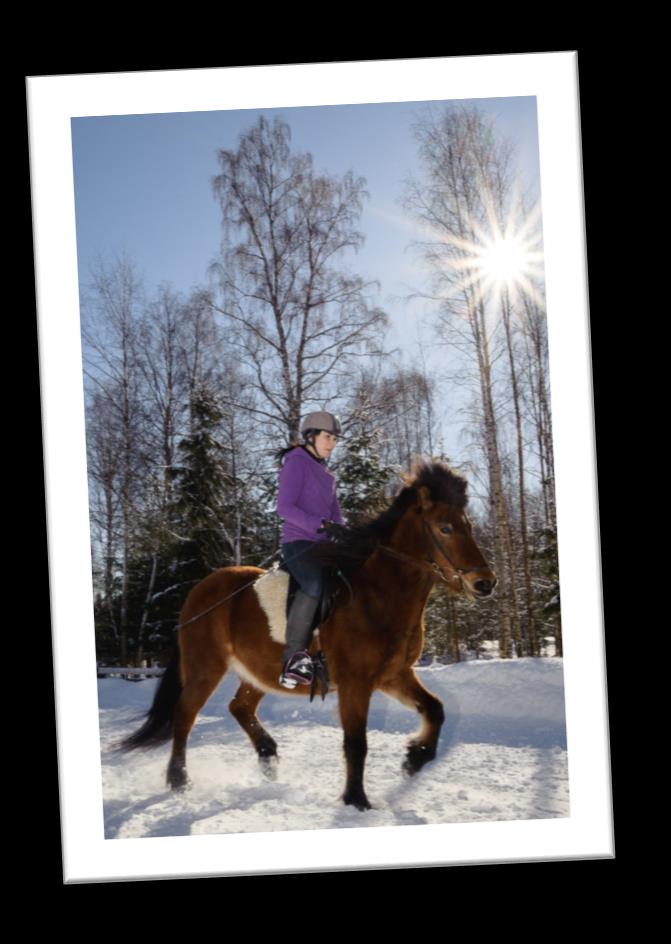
[[306, 570], [308, 574]]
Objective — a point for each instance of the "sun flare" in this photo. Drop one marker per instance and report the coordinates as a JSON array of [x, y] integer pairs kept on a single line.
[[503, 261], [499, 263]]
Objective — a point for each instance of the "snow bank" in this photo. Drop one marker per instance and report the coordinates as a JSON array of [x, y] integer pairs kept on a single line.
[[501, 756]]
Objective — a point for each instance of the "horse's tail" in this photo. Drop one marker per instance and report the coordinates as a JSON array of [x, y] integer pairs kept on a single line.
[[158, 726]]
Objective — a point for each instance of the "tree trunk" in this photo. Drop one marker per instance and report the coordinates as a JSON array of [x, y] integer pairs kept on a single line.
[[532, 643]]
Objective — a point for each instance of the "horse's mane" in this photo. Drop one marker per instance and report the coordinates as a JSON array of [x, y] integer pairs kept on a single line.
[[360, 540]]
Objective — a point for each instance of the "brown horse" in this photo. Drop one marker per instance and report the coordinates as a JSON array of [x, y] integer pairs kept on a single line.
[[371, 638]]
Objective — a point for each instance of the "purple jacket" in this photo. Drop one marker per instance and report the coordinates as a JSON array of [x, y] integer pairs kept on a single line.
[[307, 493]]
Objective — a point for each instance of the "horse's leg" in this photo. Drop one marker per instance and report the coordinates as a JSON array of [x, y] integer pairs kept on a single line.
[[354, 701], [407, 688], [243, 708], [194, 695]]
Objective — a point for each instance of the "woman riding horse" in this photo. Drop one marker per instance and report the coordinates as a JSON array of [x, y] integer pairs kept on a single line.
[[308, 504], [371, 641]]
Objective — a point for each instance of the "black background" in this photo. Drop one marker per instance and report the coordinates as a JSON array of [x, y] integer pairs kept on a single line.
[[434, 888]]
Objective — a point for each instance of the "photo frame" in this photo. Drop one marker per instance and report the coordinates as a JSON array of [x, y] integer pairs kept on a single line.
[[53, 101]]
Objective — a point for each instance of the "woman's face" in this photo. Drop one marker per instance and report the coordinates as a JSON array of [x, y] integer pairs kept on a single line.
[[325, 443]]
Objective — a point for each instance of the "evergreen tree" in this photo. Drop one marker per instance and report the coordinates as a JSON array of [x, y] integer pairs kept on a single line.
[[549, 617], [361, 476], [200, 489], [262, 525], [154, 595], [107, 640]]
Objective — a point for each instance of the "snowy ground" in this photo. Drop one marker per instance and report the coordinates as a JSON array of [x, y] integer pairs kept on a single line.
[[501, 756]]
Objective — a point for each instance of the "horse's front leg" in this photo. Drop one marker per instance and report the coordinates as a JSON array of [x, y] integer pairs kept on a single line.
[[407, 689], [243, 708], [354, 701]]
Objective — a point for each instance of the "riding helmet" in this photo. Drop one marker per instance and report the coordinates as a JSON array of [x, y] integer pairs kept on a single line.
[[321, 421]]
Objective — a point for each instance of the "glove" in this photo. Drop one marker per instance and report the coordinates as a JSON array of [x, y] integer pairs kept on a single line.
[[337, 531]]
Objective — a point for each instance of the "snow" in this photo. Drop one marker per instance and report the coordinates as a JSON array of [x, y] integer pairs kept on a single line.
[[501, 756]]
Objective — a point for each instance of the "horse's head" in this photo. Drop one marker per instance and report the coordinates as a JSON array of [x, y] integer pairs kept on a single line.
[[426, 523], [438, 527]]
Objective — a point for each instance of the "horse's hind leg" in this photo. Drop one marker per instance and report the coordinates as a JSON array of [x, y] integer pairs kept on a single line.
[[407, 689], [243, 708], [195, 693]]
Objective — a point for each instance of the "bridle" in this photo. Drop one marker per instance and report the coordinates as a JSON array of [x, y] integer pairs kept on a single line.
[[459, 572]]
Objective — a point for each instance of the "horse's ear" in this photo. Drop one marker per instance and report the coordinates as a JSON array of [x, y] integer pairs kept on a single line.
[[424, 498]]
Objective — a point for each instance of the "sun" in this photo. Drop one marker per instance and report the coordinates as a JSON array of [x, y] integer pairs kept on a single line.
[[504, 265], [503, 261], [499, 263]]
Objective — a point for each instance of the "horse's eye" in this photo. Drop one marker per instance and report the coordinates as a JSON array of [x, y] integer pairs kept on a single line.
[[446, 529]]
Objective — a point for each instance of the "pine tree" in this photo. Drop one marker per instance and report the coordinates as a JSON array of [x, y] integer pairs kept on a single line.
[[200, 490], [549, 617], [361, 476]]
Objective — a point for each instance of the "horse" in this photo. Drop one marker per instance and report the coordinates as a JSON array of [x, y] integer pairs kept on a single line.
[[371, 639]]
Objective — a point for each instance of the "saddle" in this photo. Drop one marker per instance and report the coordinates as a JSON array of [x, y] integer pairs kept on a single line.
[[276, 590], [331, 585]]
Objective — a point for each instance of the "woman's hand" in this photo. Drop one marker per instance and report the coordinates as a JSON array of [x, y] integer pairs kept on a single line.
[[334, 530]]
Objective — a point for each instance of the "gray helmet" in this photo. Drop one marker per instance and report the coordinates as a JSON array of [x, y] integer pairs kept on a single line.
[[321, 420]]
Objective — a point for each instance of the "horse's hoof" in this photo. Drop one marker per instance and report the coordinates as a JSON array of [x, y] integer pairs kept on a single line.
[[269, 767], [360, 801], [408, 769], [416, 757], [179, 781]]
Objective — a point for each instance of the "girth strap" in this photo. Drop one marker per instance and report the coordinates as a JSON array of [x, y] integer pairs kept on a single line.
[[319, 674]]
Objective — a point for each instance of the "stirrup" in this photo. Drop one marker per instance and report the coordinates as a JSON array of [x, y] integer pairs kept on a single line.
[[297, 670]]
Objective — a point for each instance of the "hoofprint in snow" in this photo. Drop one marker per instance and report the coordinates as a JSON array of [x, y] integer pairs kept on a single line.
[[501, 756]]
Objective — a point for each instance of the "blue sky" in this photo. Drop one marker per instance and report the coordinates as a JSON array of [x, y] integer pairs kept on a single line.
[[143, 184]]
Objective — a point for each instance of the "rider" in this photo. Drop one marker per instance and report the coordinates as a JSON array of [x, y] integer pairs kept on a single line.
[[308, 504]]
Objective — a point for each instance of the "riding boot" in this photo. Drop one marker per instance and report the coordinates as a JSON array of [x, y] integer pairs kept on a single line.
[[299, 624]]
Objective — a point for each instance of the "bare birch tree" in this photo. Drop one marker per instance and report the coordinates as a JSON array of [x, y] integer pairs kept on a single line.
[[395, 403], [163, 338], [111, 311], [467, 174], [296, 317], [203, 350], [407, 393], [537, 396], [103, 459]]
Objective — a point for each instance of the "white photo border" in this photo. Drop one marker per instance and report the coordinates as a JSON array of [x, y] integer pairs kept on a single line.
[[52, 101]]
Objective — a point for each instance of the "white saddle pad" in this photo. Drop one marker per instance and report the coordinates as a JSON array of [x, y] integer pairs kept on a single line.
[[272, 589]]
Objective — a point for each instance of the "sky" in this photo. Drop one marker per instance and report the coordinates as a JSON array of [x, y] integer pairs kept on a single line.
[[143, 185]]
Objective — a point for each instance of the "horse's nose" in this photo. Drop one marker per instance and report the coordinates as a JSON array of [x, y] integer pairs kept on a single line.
[[485, 587]]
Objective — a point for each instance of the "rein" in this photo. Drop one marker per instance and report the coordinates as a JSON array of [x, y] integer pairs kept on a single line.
[[458, 571], [239, 590]]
